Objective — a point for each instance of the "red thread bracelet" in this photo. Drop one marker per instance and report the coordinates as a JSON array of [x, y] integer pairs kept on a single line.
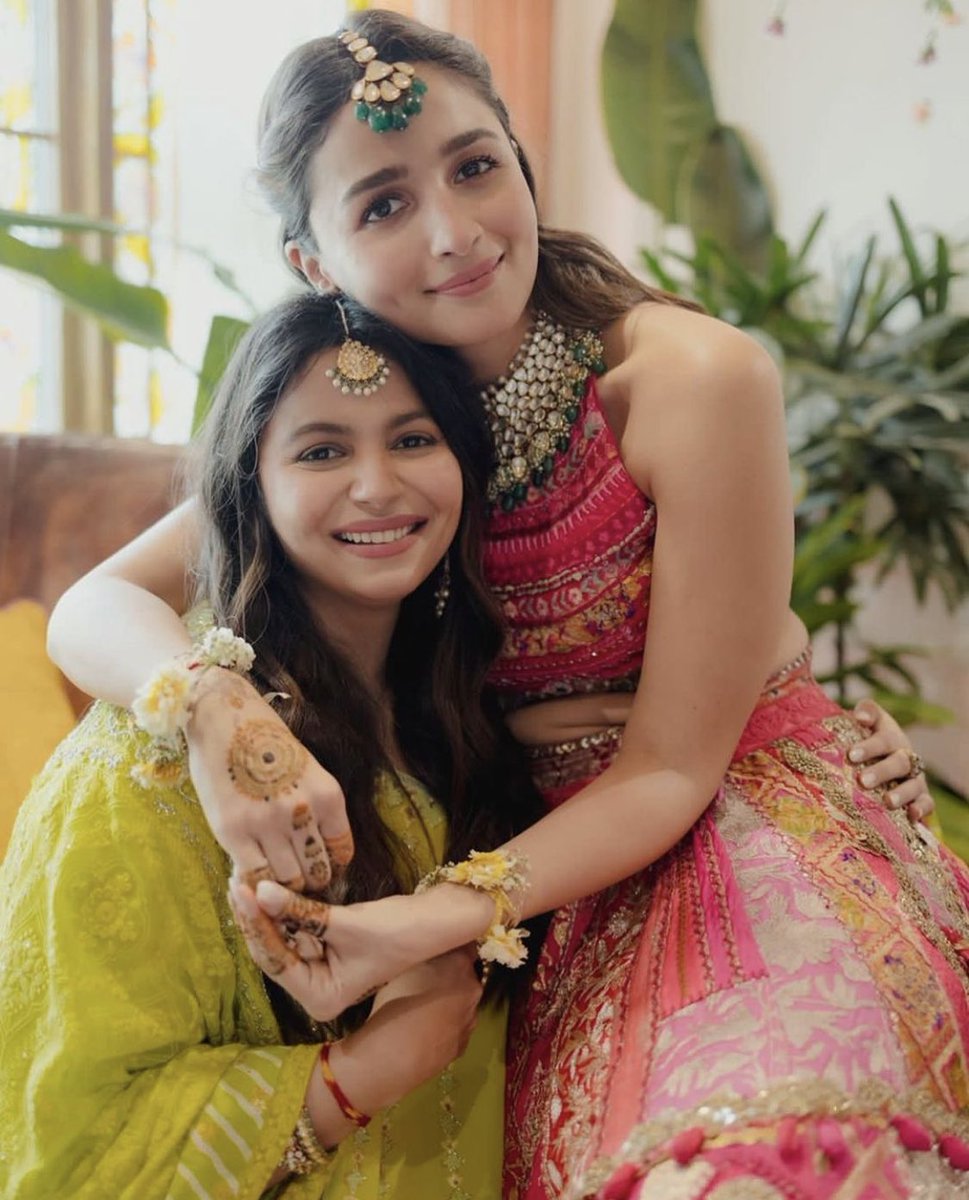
[[350, 1111]]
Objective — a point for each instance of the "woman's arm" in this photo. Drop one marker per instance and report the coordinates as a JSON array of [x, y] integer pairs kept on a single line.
[[121, 620], [124, 1014], [118, 624]]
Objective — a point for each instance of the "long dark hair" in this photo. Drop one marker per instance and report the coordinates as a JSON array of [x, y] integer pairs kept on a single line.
[[579, 282], [436, 667]]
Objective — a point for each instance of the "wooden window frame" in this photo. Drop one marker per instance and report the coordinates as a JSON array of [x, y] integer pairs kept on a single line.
[[85, 149]]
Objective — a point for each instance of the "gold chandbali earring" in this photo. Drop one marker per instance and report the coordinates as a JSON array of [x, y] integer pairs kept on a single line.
[[359, 368], [531, 409], [389, 94]]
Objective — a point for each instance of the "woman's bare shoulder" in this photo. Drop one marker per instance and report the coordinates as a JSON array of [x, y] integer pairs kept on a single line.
[[662, 343], [677, 376]]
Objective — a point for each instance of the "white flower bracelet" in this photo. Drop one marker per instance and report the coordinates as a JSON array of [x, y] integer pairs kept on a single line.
[[163, 705]]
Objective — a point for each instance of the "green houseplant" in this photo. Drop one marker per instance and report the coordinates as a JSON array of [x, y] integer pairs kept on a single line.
[[125, 311], [877, 389], [878, 406]]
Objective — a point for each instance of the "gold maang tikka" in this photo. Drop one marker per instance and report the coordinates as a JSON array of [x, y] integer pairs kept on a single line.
[[389, 94], [359, 368]]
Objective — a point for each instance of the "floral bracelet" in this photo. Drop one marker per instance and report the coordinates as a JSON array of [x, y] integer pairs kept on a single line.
[[164, 704], [498, 875]]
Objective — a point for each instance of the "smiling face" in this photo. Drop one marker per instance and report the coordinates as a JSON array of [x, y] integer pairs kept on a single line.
[[433, 228], [363, 493]]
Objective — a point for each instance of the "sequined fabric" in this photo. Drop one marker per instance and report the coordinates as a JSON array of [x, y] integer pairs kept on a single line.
[[759, 1006], [779, 1008]]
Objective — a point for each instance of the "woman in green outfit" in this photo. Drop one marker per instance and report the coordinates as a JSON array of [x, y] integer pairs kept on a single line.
[[142, 1052]]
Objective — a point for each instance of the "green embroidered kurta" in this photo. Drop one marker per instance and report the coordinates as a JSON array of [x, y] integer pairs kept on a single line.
[[139, 1054]]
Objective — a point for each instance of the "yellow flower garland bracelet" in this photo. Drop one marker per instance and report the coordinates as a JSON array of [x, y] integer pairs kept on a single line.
[[499, 875]]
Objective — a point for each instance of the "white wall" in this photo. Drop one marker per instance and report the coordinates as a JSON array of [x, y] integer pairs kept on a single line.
[[829, 112], [227, 55]]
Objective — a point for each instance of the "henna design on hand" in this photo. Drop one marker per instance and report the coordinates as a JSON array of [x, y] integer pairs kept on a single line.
[[264, 955], [318, 871], [301, 913], [230, 690], [301, 816], [251, 878], [265, 760], [340, 849]]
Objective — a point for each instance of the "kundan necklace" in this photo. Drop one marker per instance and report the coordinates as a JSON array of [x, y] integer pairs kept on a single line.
[[533, 407]]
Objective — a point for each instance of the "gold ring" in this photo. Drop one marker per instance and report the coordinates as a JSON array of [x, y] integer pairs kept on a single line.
[[916, 764]]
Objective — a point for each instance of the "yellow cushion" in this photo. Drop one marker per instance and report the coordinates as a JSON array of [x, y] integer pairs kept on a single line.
[[35, 712]]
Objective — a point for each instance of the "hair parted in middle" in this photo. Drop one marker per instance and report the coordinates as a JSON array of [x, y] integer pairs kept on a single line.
[[436, 667], [579, 282]]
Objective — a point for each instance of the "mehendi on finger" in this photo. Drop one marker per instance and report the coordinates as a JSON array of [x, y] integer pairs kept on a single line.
[[340, 849], [310, 915], [265, 760], [251, 877], [301, 816], [267, 959], [318, 873]]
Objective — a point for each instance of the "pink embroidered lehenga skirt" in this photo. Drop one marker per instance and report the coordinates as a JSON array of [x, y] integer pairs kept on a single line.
[[776, 1010]]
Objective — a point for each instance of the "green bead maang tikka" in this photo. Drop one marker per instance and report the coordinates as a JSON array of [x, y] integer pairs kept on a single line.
[[389, 94]]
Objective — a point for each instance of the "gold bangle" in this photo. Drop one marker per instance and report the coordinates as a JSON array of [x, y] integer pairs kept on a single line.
[[304, 1152]]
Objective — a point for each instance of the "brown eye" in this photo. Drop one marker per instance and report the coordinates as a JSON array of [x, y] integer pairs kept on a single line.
[[380, 209], [481, 164], [319, 454], [415, 441]]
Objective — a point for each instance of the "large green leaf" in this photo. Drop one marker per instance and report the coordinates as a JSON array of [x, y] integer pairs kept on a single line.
[[14, 218], [721, 195], [125, 311], [668, 144], [656, 96], [224, 335], [11, 218]]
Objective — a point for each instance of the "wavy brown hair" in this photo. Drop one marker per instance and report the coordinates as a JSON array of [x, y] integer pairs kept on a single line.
[[579, 282], [436, 668]]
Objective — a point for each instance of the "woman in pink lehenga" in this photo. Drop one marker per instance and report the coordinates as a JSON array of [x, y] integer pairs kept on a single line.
[[754, 985], [778, 1006]]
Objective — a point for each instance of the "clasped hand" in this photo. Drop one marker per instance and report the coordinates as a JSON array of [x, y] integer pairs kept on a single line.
[[328, 957]]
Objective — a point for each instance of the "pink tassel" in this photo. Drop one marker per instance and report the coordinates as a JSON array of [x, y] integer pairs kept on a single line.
[[831, 1141], [620, 1185], [687, 1145], [955, 1150], [789, 1142], [912, 1134]]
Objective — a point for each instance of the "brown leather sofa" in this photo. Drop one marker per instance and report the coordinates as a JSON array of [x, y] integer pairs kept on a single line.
[[67, 502]]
